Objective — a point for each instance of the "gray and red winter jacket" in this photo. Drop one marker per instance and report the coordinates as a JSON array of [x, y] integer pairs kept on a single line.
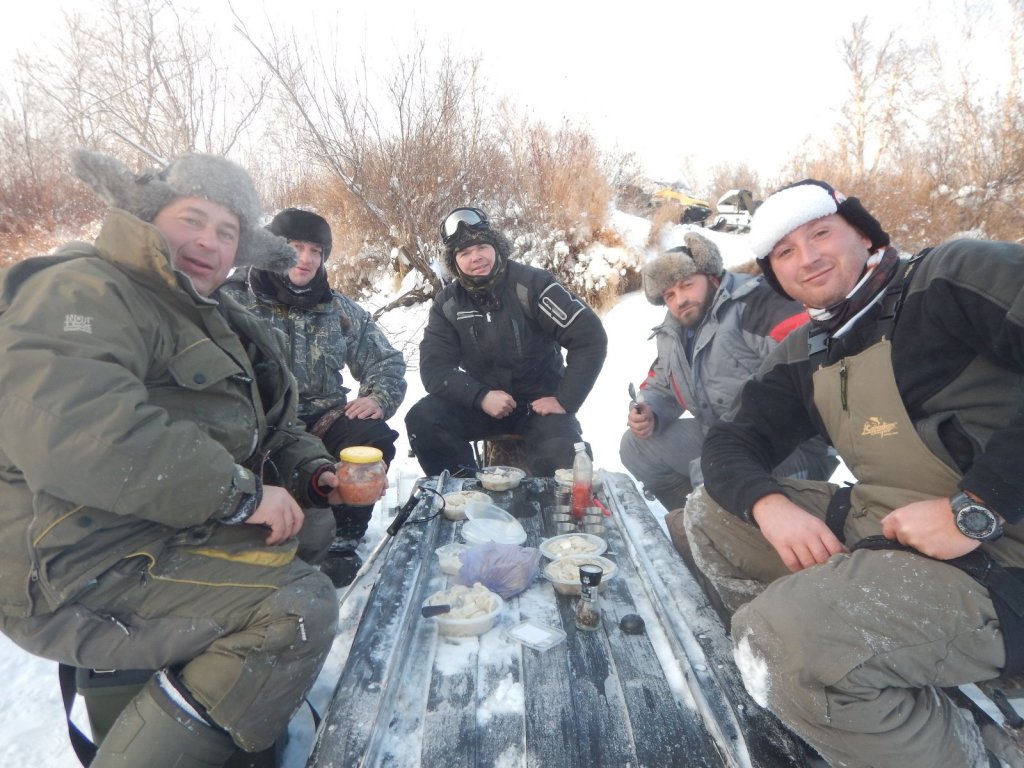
[[745, 322]]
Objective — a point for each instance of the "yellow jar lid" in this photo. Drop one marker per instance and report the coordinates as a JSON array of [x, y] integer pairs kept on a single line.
[[361, 454]]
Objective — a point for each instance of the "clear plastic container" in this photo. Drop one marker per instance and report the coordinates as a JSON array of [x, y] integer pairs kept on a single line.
[[362, 475]]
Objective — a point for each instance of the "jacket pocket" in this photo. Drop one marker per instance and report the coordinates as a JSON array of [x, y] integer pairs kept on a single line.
[[203, 364]]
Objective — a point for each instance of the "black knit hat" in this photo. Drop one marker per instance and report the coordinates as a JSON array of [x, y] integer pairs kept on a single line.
[[795, 205], [304, 227]]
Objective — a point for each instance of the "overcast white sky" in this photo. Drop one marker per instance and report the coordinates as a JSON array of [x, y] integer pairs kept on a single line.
[[681, 84]]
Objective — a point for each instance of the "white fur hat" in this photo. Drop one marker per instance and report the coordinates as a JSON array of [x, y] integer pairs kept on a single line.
[[207, 176], [805, 201]]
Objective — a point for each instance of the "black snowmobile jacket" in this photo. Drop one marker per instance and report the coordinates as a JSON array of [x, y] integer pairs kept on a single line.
[[512, 342], [958, 360]]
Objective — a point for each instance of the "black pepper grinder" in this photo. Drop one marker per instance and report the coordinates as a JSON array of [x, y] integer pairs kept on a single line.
[[588, 609]]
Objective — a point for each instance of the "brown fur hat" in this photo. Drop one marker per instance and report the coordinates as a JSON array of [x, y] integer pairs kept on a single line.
[[210, 177], [699, 254]]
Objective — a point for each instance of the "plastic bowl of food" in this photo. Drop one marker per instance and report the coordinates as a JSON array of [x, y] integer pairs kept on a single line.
[[564, 478], [564, 573], [485, 510], [473, 610], [449, 557], [573, 544], [500, 478], [498, 531], [455, 503]]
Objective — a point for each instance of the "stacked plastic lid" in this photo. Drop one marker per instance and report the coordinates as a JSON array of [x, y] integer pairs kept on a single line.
[[487, 522]]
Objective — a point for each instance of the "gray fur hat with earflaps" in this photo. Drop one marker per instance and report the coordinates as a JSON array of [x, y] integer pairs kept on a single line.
[[210, 177], [678, 262]]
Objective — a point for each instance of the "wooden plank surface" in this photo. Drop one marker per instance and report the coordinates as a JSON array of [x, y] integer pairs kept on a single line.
[[410, 697]]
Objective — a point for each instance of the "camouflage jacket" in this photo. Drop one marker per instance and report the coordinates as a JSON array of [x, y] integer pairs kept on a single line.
[[322, 341]]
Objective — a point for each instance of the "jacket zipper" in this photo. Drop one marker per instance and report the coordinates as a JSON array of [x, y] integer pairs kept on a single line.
[[842, 384]]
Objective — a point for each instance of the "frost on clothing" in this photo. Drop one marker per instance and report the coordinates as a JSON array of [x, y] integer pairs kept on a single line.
[[130, 408], [324, 340]]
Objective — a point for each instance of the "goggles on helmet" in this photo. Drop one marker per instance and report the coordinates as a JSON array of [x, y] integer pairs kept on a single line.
[[470, 218]]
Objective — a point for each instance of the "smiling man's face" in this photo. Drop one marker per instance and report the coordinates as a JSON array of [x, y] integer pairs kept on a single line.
[[820, 262], [203, 238]]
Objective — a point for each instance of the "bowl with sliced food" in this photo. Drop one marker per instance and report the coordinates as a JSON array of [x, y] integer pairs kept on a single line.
[[500, 478], [572, 544], [455, 503], [463, 611], [564, 573], [563, 477], [449, 557]]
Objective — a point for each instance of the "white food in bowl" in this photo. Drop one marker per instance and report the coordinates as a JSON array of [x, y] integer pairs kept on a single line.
[[449, 557], [564, 573], [573, 544], [474, 609], [455, 503], [500, 478], [564, 478]]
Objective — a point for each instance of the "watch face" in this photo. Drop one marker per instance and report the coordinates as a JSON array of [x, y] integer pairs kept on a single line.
[[976, 522]]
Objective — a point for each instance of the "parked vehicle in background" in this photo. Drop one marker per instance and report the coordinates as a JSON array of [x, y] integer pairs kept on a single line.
[[694, 210], [734, 211]]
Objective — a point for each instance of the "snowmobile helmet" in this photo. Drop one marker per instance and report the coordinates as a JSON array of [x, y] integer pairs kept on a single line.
[[795, 205], [210, 177], [304, 227], [697, 254]]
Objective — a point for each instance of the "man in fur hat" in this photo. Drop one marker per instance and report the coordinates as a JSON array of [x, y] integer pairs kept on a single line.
[[719, 327], [326, 332], [153, 474], [491, 355], [855, 607]]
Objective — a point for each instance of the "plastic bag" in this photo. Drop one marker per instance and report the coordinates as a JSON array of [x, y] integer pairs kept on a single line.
[[507, 569]]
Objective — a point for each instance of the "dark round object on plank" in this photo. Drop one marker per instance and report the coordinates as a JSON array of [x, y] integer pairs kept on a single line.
[[632, 624]]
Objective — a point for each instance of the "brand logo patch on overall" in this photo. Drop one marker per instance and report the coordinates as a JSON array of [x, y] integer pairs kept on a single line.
[[875, 427]]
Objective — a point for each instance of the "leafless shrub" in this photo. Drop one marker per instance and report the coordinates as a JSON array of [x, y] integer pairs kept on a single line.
[[137, 73]]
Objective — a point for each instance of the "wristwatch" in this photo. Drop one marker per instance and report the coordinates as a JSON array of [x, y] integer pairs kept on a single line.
[[974, 520]]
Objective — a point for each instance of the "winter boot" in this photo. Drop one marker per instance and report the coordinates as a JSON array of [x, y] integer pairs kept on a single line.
[[156, 732], [342, 562]]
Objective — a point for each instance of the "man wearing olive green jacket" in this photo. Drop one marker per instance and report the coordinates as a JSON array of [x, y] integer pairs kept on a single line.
[[153, 474]]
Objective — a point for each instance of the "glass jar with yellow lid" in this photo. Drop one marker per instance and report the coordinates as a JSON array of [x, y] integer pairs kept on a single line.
[[362, 476]]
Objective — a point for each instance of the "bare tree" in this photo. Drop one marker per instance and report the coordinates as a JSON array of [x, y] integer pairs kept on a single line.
[[975, 152], [139, 72], [35, 190], [877, 113], [406, 148]]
